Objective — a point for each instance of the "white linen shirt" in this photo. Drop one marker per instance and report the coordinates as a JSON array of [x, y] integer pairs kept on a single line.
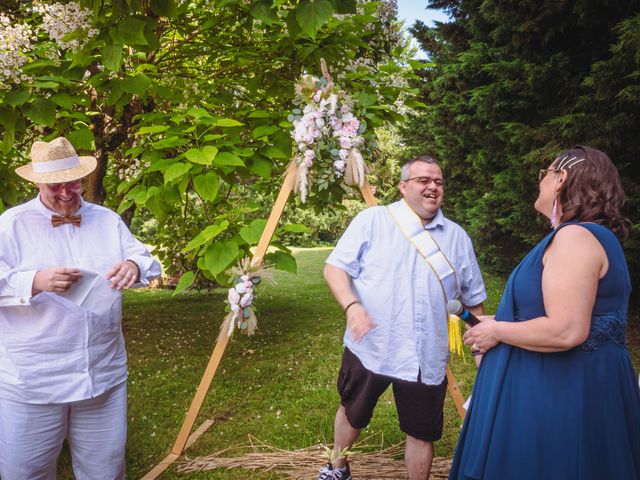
[[52, 350], [402, 294]]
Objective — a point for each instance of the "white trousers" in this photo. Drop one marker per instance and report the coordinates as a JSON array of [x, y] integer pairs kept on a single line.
[[31, 437]]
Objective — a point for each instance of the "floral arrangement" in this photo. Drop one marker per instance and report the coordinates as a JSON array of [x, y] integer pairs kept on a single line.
[[326, 131], [246, 276]]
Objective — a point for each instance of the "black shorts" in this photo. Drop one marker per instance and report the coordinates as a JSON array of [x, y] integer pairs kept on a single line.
[[419, 406]]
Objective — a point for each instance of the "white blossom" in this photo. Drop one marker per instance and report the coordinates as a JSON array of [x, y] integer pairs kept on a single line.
[[61, 19], [15, 45]]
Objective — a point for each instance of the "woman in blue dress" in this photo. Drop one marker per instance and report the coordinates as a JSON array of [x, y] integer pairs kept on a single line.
[[556, 397]]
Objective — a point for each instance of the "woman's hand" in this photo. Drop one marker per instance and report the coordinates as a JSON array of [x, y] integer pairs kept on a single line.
[[482, 337]]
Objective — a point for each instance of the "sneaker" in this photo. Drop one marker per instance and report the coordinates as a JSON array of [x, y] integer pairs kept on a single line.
[[329, 473]]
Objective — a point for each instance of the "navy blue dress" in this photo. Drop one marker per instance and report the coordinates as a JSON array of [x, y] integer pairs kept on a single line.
[[556, 416]]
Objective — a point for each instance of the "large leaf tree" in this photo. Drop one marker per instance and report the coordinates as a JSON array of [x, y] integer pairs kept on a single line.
[[512, 84], [187, 105]]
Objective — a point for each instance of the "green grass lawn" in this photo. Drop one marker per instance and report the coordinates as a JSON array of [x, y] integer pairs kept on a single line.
[[278, 385]]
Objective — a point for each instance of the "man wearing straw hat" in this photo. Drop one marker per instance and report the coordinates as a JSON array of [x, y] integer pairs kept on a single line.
[[63, 264]]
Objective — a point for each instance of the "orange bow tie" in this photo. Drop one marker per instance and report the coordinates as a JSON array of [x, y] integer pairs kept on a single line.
[[57, 220]]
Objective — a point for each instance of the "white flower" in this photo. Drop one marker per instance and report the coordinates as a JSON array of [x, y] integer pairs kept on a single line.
[[246, 300], [15, 45], [233, 297], [338, 165], [60, 19], [345, 142], [240, 288], [343, 154], [235, 308]]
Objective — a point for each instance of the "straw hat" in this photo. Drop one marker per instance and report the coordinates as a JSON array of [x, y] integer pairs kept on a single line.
[[56, 162]]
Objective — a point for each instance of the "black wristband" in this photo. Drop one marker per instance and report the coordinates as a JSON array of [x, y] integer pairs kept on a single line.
[[350, 305], [137, 268]]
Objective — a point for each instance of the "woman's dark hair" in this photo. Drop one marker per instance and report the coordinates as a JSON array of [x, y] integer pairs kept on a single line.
[[593, 191]]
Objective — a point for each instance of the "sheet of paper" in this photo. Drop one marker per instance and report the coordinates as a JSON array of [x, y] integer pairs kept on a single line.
[[79, 291], [93, 292]]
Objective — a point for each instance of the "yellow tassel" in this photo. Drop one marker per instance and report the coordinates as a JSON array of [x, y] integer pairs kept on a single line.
[[455, 336]]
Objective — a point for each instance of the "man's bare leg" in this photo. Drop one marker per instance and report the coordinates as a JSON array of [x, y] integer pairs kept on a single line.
[[344, 435], [418, 456]]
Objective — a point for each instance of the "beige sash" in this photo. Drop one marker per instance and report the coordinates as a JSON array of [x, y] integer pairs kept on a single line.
[[411, 226]]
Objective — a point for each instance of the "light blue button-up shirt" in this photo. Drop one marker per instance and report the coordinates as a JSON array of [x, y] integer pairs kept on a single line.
[[402, 294]]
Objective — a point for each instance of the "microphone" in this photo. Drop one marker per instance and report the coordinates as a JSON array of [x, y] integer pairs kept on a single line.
[[454, 307]]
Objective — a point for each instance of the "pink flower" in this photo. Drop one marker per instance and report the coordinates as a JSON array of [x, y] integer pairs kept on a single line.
[[345, 142]]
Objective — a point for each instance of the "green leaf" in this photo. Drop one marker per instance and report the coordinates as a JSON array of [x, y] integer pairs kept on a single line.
[[15, 98], [282, 261], [164, 8], [205, 235], [296, 228], [264, 130], [170, 142], [344, 6], [112, 56], [260, 114], [220, 255], [176, 171], [313, 14], [203, 156], [207, 186], [152, 129], [41, 111], [131, 31], [137, 85], [262, 11], [292, 25], [251, 233], [274, 152], [63, 100], [227, 122], [228, 158], [161, 165], [260, 166], [186, 280], [366, 99], [81, 139]]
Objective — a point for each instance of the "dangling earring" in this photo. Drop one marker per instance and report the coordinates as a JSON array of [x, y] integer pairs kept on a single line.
[[554, 212]]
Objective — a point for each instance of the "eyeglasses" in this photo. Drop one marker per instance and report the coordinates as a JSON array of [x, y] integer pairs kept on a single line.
[[544, 171], [426, 181], [73, 185]]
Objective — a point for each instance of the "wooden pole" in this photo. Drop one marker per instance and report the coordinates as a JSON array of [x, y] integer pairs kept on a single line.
[[223, 340]]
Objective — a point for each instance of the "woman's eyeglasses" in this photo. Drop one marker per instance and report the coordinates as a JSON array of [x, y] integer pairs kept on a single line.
[[544, 171]]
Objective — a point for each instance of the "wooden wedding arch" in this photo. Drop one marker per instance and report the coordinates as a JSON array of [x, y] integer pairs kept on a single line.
[[183, 439]]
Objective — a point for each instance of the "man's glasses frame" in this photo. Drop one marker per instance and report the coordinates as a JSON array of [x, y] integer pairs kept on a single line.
[[426, 181]]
